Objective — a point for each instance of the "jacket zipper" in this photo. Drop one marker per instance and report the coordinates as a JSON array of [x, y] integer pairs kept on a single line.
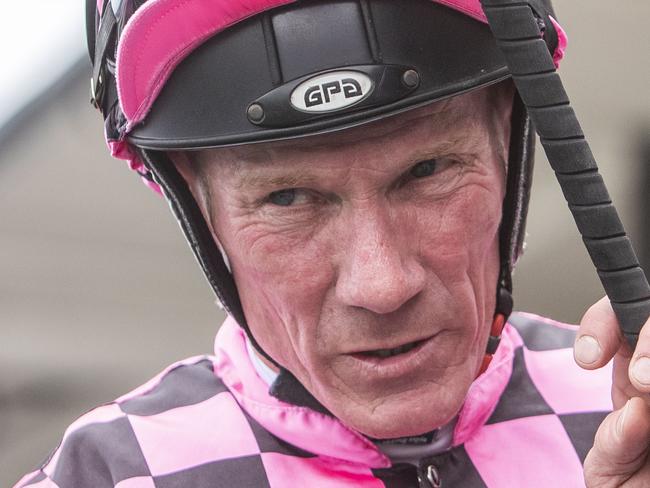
[[429, 477]]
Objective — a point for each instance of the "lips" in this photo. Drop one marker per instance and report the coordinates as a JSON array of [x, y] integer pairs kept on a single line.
[[386, 353], [394, 363]]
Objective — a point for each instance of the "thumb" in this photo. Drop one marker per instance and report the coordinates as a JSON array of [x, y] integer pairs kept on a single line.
[[621, 446]]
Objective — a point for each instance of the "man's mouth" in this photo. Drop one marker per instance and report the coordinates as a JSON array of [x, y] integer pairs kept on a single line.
[[393, 363], [387, 353]]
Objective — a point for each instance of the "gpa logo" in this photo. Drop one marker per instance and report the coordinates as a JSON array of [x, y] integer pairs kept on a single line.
[[331, 91], [320, 94]]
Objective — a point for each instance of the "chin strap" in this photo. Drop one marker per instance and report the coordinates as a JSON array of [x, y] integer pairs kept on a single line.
[[198, 235], [501, 314], [515, 208]]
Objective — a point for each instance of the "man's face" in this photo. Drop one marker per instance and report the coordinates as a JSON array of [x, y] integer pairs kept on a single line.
[[367, 260]]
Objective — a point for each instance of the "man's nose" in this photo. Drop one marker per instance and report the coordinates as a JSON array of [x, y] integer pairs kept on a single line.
[[380, 271]]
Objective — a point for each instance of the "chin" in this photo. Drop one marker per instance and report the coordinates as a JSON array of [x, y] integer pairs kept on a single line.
[[407, 414]]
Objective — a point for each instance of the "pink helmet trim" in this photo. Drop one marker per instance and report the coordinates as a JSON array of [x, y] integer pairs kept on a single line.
[[468, 7], [562, 42], [161, 34], [123, 150]]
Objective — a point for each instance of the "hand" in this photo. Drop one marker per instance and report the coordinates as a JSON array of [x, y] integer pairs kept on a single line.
[[620, 456]]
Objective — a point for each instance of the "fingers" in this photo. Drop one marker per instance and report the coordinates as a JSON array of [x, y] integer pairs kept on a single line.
[[621, 446], [599, 337], [640, 364]]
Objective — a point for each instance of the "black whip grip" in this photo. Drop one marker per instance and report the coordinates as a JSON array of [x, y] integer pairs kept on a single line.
[[517, 31]]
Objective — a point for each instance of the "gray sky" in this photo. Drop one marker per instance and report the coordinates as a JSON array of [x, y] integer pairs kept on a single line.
[[40, 40]]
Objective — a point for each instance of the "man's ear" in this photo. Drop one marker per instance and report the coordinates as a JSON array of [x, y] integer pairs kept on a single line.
[[183, 165], [505, 97], [199, 185], [195, 181]]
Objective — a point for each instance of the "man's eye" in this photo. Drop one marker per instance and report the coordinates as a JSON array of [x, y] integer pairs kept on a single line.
[[283, 198], [424, 168]]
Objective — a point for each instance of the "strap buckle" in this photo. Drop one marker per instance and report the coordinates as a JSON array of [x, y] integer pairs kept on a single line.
[[96, 91]]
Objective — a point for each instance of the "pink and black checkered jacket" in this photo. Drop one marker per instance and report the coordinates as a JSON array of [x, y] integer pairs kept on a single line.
[[209, 422]]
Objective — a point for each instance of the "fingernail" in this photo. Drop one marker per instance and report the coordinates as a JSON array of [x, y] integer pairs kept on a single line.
[[641, 370], [587, 350], [620, 423]]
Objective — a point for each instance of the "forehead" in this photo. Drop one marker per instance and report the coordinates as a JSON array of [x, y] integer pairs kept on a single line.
[[462, 119]]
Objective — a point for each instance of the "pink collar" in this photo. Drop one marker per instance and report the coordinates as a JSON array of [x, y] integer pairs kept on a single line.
[[326, 436]]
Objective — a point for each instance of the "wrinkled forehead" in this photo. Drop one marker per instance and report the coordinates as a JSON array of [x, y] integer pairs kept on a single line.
[[468, 118]]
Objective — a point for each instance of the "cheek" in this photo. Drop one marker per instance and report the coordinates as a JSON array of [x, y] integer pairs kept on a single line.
[[462, 232], [288, 263], [282, 279], [462, 253]]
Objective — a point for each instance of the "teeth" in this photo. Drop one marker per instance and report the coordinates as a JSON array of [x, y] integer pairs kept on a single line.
[[386, 353], [383, 353]]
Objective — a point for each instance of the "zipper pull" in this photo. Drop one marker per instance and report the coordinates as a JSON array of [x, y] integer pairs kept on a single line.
[[429, 477]]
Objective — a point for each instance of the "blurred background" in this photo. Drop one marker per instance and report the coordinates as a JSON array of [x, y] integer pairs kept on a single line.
[[98, 290]]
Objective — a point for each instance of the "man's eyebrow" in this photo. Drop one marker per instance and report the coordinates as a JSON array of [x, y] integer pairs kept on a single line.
[[249, 162], [256, 178], [257, 181]]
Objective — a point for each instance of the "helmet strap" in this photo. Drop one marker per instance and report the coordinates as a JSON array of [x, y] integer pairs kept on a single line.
[[511, 233], [198, 235], [501, 314]]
